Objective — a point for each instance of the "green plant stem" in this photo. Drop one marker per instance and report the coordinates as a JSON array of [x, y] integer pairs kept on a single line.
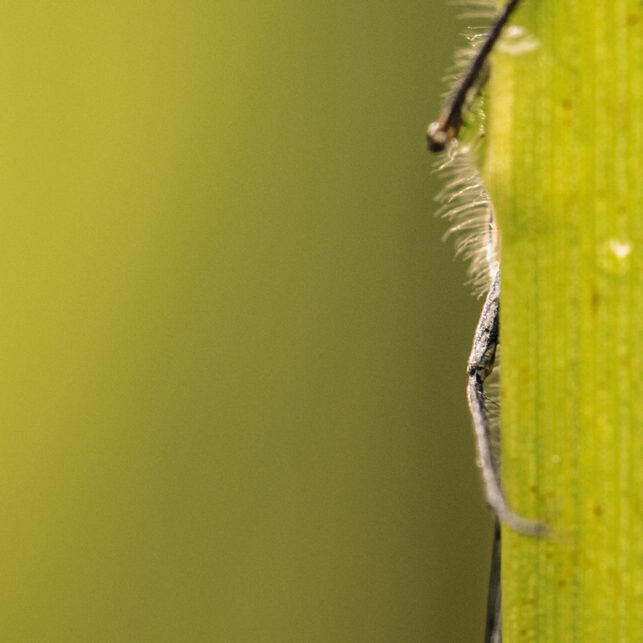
[[563, 167]]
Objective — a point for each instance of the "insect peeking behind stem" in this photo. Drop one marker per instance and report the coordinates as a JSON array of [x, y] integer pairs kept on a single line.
[[476, 216], [440, 134]]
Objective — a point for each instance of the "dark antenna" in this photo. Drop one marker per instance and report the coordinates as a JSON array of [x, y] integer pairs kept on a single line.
[[441, 132]]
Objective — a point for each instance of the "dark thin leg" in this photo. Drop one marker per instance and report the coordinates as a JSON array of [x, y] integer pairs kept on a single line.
[[480, 366], [446, 128], [493, 632]]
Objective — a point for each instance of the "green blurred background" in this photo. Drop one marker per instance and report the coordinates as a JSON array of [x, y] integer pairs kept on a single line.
[[232, 342]]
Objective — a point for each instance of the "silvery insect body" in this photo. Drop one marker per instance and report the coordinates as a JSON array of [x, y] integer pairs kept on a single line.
[[442, 135], [467, 203]]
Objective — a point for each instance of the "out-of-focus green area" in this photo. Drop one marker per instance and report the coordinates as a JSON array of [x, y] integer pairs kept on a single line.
[[232, 344]]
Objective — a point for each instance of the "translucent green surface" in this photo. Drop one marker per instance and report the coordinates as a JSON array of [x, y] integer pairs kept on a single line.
[[564, 156]]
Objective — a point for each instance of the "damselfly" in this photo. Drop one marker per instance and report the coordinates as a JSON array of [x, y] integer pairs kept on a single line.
[[442, 135]]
